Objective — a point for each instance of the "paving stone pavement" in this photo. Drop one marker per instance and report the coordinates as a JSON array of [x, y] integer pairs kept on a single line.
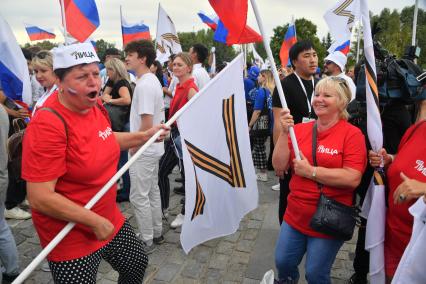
[[242, 257]]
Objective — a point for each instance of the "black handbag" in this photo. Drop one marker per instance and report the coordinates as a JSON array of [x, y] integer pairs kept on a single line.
[[261, 126], [332, 217], [118, 116]]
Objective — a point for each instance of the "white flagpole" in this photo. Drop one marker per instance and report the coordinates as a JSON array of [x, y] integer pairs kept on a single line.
[[121, 21], [64, 21], [358, 41], [156, 32], [275, 73], [42, 255], [416, 10]]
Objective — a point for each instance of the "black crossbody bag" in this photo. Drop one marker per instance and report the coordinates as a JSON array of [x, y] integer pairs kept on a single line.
[[332, 217]]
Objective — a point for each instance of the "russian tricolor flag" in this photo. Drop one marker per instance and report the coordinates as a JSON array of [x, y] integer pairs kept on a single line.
[[82, 18], [344, 48], [14, 75], [289, 39], [36, 33], [133, 32], [232, 27], [212, 23]]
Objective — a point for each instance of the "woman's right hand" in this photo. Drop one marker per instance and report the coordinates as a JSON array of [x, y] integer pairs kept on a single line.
[[376, 159], [286, 120], [103, 229]]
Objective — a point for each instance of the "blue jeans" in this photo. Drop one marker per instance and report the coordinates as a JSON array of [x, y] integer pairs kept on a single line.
[[292, 246], [8, 251]]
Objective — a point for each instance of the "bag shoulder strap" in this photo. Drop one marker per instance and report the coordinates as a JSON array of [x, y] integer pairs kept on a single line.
[[314, 151], [58, 115]]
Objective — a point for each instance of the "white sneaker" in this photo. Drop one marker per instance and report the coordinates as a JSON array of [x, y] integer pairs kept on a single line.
[[262, 176], [276, 187], [16, 213], [178, 221], [45, 267], [26, 203]]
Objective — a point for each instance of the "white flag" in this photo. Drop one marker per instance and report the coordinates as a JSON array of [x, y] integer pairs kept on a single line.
[[258, 60], [14, 74], [167, 40], [220, 179], [341, 18], [411, 268]]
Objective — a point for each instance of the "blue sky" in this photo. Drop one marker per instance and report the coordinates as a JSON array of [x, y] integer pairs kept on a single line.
[[46, 13]]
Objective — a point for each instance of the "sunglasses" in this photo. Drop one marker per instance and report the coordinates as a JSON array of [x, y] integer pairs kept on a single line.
[[340, 80], [42, 54], [328, 62]]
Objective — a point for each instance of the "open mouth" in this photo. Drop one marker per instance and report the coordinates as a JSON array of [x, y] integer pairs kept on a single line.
[[92, 95]]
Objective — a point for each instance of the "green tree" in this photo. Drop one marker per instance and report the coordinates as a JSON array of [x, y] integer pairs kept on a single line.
[[223, 52], [396, 31], [101, 46], [46, 45], [305, 30]]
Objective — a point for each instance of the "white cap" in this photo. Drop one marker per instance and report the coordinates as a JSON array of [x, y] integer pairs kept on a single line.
[[75, 54], [338, 58]]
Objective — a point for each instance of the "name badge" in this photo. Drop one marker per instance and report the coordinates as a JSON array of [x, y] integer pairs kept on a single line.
[[307, 119]]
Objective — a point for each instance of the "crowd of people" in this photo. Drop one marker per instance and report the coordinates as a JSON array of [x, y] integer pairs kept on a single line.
[[80, 104]]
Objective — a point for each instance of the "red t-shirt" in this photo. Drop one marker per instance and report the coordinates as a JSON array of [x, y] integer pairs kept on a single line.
[[343, 145], [181, 95], [81, 163], [410, 159]]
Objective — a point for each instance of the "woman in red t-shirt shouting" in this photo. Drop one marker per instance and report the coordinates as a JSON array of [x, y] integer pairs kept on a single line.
[[341, 159], [69, 153], [406, 180]]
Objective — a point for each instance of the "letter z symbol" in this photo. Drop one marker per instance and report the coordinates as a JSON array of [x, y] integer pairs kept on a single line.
[[233, 173]]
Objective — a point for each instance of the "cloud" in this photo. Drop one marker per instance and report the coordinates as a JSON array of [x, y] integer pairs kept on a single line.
[[46, 13]]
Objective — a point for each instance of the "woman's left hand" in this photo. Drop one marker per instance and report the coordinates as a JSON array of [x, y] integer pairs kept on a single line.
[[408, 190], [302, 167], [106, 98]]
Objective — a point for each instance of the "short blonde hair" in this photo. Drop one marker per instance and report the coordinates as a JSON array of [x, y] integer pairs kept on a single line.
[[43, 58], [119, 69], [341, 87]]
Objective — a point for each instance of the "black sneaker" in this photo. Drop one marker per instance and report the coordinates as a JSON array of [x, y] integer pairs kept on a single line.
[[179, 190], [357, 279], [159, 240], [9, 278]]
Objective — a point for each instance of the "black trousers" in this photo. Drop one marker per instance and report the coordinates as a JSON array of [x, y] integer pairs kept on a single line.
[[284, 192], [168, 161], [16, 191]]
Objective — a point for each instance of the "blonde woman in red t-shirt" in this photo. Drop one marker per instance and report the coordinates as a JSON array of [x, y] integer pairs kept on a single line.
[[406, 180], [341, 159], [69, 153]]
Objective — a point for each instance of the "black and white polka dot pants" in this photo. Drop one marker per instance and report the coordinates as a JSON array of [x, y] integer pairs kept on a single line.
[[124, 253]]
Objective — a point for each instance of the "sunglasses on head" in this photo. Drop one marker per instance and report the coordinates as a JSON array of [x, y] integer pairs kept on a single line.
[[339, 80], [42, 54]]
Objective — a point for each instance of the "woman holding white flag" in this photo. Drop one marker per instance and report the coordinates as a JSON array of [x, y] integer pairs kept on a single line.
[[333, 158], [406, 180], [69, 153]]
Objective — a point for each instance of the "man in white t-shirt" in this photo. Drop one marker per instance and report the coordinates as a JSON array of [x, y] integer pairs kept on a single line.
[[147, 109], [199, 53], [334, 65]]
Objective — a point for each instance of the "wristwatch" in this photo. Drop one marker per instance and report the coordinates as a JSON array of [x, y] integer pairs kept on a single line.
[[314, 173]]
